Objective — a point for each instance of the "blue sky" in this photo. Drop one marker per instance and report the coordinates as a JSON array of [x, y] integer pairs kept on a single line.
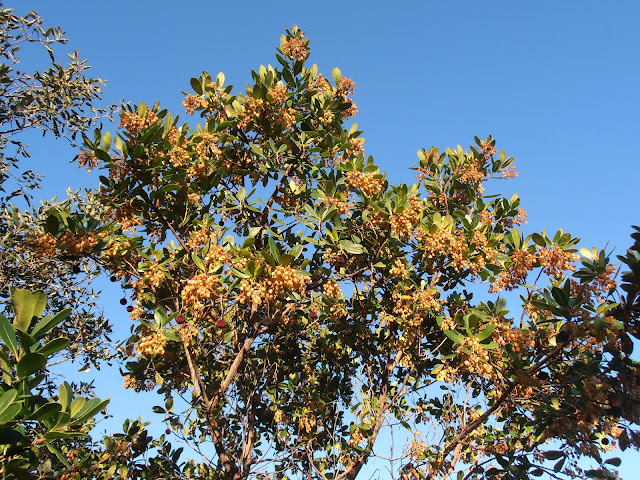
[[556, 83]]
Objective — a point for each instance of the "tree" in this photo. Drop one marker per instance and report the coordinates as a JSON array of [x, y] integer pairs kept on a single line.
[[60, 101], [301, 305]]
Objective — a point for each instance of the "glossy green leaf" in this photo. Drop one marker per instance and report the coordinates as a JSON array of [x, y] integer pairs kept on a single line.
[[54, 346], [30, 363], [8, 335], [27, 305]]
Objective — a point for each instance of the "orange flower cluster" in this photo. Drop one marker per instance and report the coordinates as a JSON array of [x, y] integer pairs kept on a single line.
[[366, 182], [443, 242], [179, 154], [509, 172], [295, 48], [79, 243], [278, 93], [192, 102], [404, 224], [519, 339], [134, 123], [88, 160], [355, 147], [522, 263], [556, 261]]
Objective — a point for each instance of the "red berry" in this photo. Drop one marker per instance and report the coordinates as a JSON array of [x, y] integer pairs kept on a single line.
[[313, 314], [221, 324], [167, 431], [181, 319], [123, 301], [614, 402]]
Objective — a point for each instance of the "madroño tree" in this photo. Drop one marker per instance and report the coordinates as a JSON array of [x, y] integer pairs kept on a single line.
[[304, 307]]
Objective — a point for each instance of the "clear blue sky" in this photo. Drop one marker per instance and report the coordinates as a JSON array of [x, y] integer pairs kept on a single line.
[[555, 82]]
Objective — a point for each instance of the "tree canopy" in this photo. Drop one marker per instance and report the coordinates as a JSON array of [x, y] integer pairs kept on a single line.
[[302, 307]]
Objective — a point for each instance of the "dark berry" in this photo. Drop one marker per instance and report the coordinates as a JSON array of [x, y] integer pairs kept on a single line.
[[76, 269], [130, 308], [167, 431], [123, 301], [114, 278], [180, 319]]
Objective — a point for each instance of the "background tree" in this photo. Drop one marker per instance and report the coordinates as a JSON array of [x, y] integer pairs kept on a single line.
[[60, 101], [301, 304]]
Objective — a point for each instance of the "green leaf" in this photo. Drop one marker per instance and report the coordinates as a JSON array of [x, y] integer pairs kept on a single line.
[[77, 405], [613, 461], [337, 75], [486, 333], [58, 454], [106, 141], [46, 412], [27, 305], [455, 336], [196, 85], [8, 335], [10, 413], [48, 323], [89, 410], [273, 248], [553, 454], [64, 396], [30, 363], [160, 316], [54, 346], [6, 399]]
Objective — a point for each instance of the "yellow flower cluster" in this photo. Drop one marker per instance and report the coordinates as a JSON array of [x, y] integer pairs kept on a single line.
[[341, 206], [307, 423], [478, 360], [134, 123], [399, 269], [208, 146], [197, 290], [356, 146], [151, 344], [332, 290], [282, 279], [366, 182]]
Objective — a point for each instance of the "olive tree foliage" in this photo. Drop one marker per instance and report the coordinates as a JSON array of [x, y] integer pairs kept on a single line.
[[60, 101], [304, 307]]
